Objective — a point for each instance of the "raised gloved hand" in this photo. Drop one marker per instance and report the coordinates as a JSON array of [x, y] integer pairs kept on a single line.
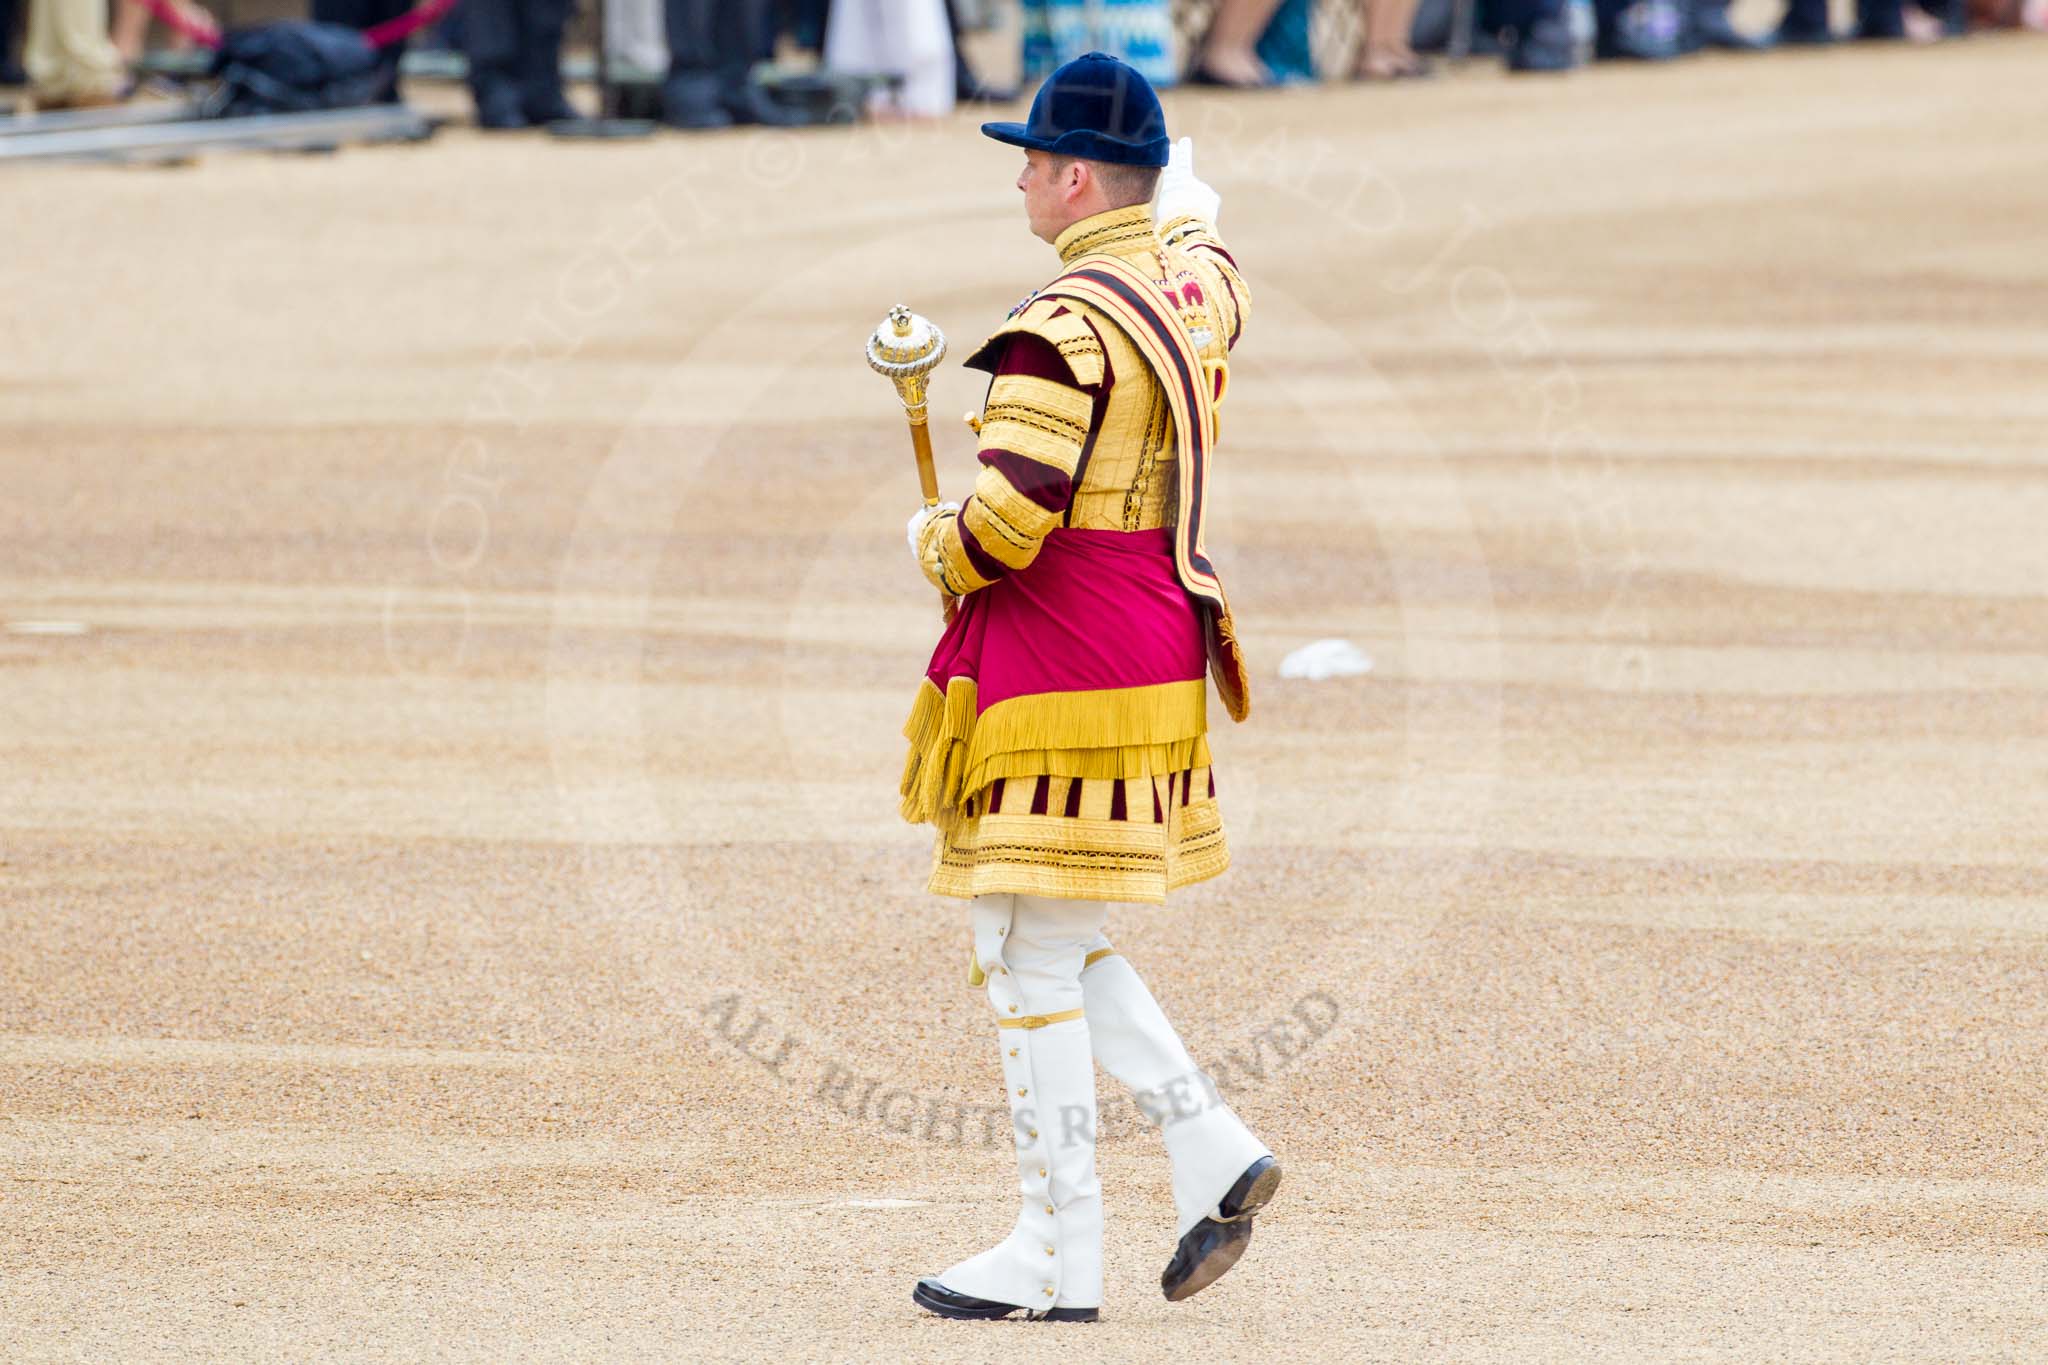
[[1180, 193], [922, 515]]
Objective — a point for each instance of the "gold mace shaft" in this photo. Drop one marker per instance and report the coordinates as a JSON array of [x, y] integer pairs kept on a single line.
[[917, 410], [905, 350]]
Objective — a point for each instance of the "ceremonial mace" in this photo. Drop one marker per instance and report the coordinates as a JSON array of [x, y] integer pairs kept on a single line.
[[905, 349]]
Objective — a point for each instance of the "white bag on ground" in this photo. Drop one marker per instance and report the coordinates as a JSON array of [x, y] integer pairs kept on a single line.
[[1326, 659]]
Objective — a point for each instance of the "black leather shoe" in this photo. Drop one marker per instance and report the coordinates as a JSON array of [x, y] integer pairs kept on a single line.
[[548, 106], [498, 109], [1790, 34], [695, 116], [751, 104], [934, 1297], [689, 99], [1214, 1245], [1545, 45]]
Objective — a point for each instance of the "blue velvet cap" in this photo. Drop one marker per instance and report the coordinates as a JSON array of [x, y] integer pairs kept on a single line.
[[1097, 108]]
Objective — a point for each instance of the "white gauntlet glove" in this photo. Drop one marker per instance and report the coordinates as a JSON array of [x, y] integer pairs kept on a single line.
[[922, 515], [1180, 193]]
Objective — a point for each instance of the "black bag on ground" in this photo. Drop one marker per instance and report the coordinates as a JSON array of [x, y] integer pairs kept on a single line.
[[291, 67]]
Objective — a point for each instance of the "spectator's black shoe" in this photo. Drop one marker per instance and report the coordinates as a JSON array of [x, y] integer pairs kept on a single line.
[[934, 1297], [1712, 29], [1626, 47], [689, 99], [1802, 34], [1214, 1245], [752, 104], [636, 102], [1892, 28], [498, 108], [548, 106], [1545, 45], [695, 116]]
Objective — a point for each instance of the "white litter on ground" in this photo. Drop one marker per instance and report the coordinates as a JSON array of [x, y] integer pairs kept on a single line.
[[885, 1203], [46, 627], [1326, 659]]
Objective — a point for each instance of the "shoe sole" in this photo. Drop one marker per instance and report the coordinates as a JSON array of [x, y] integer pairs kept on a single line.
[[1262, 1191], [998, 1312], [1230, 1251], [1212, 1267]]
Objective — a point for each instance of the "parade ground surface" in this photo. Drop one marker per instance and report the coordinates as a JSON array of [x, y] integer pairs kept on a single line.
[[457, 628]]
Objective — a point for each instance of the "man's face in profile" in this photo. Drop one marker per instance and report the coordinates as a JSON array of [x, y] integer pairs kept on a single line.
[[1041, 181]]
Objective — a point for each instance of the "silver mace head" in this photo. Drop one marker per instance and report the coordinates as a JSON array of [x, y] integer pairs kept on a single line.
[[905, 346]]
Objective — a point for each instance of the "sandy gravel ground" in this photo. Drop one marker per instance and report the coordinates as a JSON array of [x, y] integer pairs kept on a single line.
[[451, 901]]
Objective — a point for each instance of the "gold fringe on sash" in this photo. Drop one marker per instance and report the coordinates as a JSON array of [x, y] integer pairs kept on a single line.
[[1103, 733], [938, 730]]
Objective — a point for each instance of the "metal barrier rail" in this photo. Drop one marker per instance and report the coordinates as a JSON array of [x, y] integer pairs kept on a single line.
[[177, 139], [114, 116]]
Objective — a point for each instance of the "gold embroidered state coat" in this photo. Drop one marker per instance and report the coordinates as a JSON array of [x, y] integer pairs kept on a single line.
[[1077, 433]]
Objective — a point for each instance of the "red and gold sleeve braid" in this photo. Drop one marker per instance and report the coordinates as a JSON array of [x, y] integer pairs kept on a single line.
[[1033, 428]]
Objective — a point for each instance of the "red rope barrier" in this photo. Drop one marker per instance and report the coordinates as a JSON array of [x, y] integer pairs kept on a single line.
[[405, 25], [206, 35]]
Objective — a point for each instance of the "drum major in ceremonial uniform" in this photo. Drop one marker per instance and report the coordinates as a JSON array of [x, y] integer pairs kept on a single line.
[[1058, 743]]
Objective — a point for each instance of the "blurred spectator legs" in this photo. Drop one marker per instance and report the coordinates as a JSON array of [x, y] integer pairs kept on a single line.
[[131, 29], [1880, 19], [1711, 28], [72, 63], [1539, 33], [1284, 46], [636, 34], [1228, 55], [1806, 22], [1385, 54], [10, 69], [968, 86], [515, 61], [1640, 30], [712, 48], [806, 22], [909, 40], [636, 40], [362, 14]]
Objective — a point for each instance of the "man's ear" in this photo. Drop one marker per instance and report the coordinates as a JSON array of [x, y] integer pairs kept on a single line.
[[1077, 178]]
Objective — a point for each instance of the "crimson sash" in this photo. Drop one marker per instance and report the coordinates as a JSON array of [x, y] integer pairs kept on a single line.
[[1141, 310]]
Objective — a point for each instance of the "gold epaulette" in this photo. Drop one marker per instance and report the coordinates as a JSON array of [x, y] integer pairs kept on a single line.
[[1057, 321], [1175, 231]]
